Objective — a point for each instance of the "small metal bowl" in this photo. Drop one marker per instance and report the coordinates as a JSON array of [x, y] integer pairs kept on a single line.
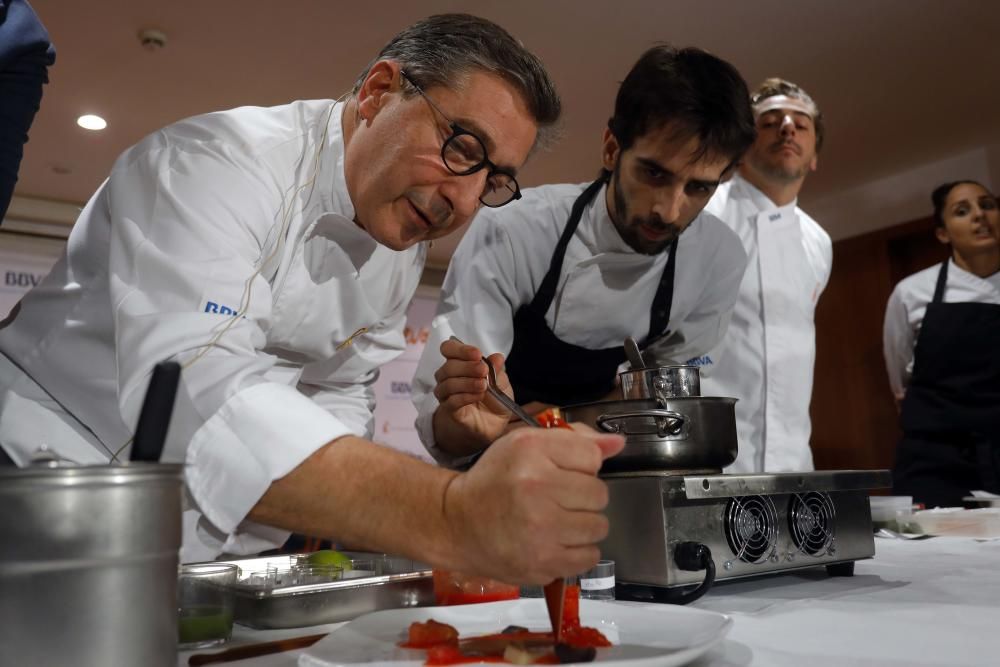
[[661, 383]]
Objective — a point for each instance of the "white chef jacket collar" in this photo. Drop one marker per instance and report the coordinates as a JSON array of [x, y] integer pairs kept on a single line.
[[760, 200], [335, 197], [605, 234]]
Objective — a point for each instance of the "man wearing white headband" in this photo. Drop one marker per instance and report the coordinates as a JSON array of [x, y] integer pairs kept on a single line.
[[766, 359]]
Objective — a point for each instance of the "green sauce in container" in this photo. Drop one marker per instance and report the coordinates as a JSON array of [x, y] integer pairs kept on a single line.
[[209, 623]]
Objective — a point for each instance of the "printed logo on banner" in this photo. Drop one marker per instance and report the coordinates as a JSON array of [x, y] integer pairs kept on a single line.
[[24, 267], [22, 279]]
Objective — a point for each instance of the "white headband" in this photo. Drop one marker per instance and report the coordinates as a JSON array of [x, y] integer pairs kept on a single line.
[[806, 106]]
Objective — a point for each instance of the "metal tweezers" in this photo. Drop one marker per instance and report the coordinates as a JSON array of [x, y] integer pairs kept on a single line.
[[494, 390], [505, 400]]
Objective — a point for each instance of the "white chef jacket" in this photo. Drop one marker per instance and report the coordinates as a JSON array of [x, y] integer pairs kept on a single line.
[[605, 287], [905, 312], [238, 219], [766, 359]]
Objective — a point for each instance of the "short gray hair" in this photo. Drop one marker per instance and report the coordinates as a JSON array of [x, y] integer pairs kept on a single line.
[[440, 49]]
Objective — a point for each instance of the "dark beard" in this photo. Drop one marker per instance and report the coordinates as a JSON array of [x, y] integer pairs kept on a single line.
[[628, 225]]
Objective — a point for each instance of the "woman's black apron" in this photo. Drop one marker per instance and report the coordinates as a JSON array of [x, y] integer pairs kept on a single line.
[[951, 412], [541, 367]]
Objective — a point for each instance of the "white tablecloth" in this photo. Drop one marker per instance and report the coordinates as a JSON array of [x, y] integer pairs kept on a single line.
[[918, 603]]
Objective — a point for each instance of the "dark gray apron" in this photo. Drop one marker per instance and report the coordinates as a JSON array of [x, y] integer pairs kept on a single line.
[[951, 412], [541, 367]]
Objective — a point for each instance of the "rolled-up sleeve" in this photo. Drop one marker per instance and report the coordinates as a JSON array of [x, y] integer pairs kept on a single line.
[[478, 301], [247, 443]]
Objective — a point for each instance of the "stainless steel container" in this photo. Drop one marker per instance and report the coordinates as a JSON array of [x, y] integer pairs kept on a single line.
[[661, 382], [88, 565], [376, 582], [682, 433]]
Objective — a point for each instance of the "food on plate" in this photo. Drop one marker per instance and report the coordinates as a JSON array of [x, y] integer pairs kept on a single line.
[[431, 633], [514, 644]]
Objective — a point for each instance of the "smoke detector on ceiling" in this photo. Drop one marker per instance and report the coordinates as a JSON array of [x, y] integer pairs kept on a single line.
[[152, 39]]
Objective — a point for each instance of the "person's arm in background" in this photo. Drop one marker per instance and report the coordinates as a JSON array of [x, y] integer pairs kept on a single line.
[[898, 339], [479, 297], [25, 56]]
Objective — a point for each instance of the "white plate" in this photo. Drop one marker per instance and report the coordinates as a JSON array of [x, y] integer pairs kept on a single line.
[[644, 635]]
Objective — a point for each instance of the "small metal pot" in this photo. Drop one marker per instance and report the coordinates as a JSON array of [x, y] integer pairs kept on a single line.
[[88, 564], [681, 433], [661, 382]]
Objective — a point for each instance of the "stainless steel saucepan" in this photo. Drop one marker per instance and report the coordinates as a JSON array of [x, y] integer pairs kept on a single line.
[[673, 433]]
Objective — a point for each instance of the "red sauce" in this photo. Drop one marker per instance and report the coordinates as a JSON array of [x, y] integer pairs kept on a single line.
[[450, 650], [571, 607], [584, 637], [444, 647], [551, 418]]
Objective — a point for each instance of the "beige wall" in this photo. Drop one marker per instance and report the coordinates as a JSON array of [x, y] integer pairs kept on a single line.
[[903, 196]]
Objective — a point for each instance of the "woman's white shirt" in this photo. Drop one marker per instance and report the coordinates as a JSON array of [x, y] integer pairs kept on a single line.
[[907, 305]]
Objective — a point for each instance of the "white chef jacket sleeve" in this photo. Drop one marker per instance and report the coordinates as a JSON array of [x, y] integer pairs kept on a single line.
[[189, 223], [477, 305], [898, 341], [826, 266], [704, 327]]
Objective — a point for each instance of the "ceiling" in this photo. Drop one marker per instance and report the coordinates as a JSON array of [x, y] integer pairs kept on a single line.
[[901, 82]]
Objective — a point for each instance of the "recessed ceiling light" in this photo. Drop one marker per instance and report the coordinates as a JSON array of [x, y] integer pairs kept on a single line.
[[91, 122]]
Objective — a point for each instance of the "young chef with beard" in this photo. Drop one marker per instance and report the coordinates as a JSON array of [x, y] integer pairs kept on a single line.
[[766, 358], [273, 253], [550, 287], [942, 353]]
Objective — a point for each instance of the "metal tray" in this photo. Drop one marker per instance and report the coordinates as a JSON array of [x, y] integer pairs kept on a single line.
[[385, 583]]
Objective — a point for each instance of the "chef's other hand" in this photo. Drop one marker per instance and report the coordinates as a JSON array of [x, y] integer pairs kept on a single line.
[[531, 509], [461, 394]]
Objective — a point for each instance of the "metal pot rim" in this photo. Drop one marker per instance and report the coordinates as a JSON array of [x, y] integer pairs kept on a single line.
[[650, 403], [649, 369], [102, 471]]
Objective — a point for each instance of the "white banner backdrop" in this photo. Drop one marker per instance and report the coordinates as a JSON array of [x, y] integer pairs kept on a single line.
[[24, 261], [394, 411]]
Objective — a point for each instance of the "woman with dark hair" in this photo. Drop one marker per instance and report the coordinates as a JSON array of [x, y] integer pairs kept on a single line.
[[942, 352]]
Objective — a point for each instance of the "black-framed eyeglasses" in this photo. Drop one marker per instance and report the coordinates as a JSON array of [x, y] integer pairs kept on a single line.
[[464, 153]]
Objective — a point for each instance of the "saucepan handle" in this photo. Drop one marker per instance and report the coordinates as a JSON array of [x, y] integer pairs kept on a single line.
[[668, 422]]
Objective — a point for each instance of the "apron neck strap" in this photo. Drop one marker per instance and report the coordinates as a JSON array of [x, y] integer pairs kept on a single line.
[[547, 290], [942, 280]]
